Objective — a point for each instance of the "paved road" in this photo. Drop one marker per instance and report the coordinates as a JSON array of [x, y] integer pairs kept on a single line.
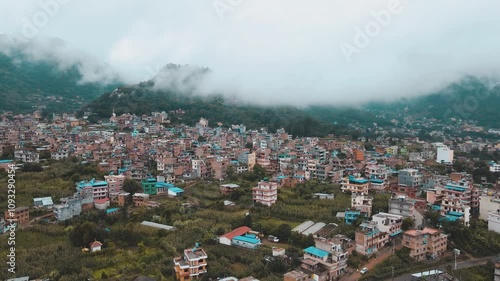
[[463, 264], [381, 256]]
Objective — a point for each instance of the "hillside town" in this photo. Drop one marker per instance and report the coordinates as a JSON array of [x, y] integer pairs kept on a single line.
[[416, 177]]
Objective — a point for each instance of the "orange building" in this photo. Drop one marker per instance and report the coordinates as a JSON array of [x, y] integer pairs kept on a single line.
[[359, 155], [428, 242], [192, 264], [20, 215]]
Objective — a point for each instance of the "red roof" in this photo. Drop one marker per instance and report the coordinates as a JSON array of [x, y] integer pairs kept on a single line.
[[95, 244], [237, 232]]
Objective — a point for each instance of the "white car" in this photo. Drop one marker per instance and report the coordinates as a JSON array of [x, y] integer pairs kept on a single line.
[[363, 270]]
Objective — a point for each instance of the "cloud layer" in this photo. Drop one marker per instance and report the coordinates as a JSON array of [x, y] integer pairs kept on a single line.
[[282, 51]]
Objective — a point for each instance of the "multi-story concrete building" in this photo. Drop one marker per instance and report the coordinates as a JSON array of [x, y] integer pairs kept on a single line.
[[410, 177], [362, 203], [149, 186], [99, 188], [487, 204], [115, 182], [376, 171], [388, 223], [355, 185], [426, 243], [444, 155], [140, 199], [327, 260], [26, 156], [247, 159], [494, 167], [455, 200], [69, 208], [369, 238], [59, 154], [494, 221], [337, 255], [265, 193], [401, 205], [191, 265], [20, 215]]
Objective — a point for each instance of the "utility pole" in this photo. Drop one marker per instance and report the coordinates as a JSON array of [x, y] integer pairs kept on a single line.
[[456, 252], [392, 267]]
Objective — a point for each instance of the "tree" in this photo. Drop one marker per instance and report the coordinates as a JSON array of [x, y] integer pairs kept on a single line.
[[259, 172], [407, 224], [284, 232], [247, 221], [7, 152], [31, 167], [309, 241], [131, 186], [369, 147], [432, 217], [230, 173]]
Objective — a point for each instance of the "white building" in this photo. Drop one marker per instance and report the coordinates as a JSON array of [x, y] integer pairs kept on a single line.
[[444, 154], [60, 154], [362, 202], [26, 156], [494, 221], [494, 167], [388, 223], [488, 204]]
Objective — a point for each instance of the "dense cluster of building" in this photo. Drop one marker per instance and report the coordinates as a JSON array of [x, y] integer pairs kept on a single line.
[[135, 147]]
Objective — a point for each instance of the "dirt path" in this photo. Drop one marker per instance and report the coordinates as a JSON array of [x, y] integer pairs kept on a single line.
[[385, 253]]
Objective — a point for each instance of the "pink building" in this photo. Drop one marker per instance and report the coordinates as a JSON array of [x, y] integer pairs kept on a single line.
[[265, 193]]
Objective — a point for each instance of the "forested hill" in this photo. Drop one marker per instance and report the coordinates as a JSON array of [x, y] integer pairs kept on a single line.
[[27, 85], [145, 97], [471, 99]]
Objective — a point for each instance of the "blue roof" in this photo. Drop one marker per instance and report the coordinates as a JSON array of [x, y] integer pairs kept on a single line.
[[5, 161], [355, 180], [151, 179], [449, 218], [111, 210], [176, 189], [92, 183], [316, 252], [436, 208], [163, 184], [456, 214], [456, 188], [247, 239]]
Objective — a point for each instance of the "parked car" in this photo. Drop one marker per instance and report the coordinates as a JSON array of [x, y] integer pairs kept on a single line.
[[363, 270], [273, 238]]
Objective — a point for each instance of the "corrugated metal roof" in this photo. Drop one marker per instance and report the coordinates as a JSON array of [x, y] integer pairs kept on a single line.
[[247, 239], [157, 225], [316, 252]]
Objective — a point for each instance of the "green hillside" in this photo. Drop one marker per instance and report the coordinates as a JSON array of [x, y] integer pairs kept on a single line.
[[145, 97], [27, 85]]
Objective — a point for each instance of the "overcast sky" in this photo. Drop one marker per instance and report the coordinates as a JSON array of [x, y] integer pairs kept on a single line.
[[284, 51]]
